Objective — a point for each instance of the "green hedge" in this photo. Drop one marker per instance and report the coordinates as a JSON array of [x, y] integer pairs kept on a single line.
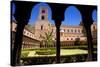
[[38, 49], [45, 52]]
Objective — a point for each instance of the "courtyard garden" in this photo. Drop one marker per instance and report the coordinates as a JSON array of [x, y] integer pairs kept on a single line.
[[68, 54], [51, 52]]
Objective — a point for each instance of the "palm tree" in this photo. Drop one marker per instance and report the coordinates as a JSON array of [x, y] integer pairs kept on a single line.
[[48, 38]]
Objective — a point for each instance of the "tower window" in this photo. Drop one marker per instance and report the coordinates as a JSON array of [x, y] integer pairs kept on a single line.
[[41, 27], [42, 18], [43, 11]]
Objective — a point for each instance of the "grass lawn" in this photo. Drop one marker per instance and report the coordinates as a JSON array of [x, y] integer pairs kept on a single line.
[[64, 52]]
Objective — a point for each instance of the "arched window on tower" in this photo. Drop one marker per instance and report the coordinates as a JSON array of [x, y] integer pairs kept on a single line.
[[42, 17], [41, 27], [43, 11]]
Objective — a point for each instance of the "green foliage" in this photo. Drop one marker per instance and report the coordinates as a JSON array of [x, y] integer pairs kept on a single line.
[[48, 38], [45, 52]]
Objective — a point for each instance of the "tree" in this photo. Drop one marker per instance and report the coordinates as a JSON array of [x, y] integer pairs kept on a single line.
[[48, 38]]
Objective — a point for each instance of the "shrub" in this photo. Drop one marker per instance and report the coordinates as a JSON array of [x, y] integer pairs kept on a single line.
[[45, 52]]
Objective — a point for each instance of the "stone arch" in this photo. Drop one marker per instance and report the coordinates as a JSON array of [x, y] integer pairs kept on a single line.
[[87, 21], [73, 12]]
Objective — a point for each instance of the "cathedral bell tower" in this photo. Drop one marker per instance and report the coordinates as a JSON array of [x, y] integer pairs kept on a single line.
[[42, 25], [43, 13]]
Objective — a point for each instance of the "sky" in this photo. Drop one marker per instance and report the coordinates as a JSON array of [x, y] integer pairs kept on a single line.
[[35, 13], [72, 14]]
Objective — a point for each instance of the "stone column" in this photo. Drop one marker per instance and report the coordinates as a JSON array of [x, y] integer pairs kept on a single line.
[[22, 15], [58, 23], [86, 12], [57, 15]]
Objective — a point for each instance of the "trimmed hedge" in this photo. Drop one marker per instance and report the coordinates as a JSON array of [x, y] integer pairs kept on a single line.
[[45, 52], [65, 47], [38, 49]]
